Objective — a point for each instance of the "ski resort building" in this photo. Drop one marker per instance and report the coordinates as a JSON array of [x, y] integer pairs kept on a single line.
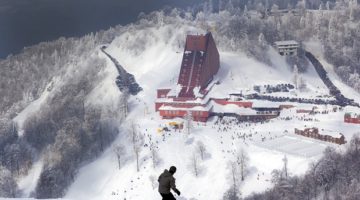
[[289, 47], [352, 118], [200, 63], [245, 110], [314, 133]]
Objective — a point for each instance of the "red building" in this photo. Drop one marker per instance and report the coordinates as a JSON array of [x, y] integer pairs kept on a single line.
[[191, 94], [201, 61], [245, 104], [352, 118], [314, 133]]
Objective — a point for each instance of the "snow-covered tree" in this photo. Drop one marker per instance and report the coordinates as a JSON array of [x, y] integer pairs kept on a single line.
[[8, 186], [137, 140], [302, 84], [124, 103], [233, 192], [154, 182], [188, 122], [327, 5], [354, 80], [246, 12], [356, 50], [242, 160], [195, 164], [261, 40], [119, 151], [201, 148], [154, 155], [296, 77]]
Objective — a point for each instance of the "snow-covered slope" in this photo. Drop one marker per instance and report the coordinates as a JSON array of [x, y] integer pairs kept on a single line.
[[156, 64], [105, 95]]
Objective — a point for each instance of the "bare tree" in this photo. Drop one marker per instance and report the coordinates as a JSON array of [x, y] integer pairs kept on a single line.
[[153, 181], [242, 160], [234, 174], [119, 151], [154, 155], [302, 84], [201, 148], [137, 142], [194, 164], [233, 193], [296, 76], [124, 102]]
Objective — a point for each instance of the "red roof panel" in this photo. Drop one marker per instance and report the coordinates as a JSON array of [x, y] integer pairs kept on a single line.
[[195, 43]]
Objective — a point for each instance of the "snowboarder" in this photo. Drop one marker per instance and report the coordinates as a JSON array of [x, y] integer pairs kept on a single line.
[[167, 181]]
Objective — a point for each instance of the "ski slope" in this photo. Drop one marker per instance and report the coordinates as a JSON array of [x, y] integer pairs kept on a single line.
[[157, 65]]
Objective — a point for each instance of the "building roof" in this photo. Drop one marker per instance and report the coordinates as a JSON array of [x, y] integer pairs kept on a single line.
[[206, 108], [199, 64], [266, 104], [196, 42], [286, 42], [231, 108]]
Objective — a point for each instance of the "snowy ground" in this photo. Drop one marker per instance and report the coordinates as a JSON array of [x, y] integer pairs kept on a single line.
[[266, 143], [157, 65]]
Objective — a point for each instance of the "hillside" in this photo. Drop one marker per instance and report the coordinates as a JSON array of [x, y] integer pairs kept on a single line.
[[78, 117], [266, 144]]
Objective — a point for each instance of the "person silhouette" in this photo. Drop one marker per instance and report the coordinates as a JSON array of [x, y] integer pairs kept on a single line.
[[167, 182]]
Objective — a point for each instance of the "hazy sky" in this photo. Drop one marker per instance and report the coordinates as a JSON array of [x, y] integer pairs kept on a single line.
[[28, 22]]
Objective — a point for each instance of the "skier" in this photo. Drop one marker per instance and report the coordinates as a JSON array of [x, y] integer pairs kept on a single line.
[[167, 181]]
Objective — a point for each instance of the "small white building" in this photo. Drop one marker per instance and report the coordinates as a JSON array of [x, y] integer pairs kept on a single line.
[[289, 47]]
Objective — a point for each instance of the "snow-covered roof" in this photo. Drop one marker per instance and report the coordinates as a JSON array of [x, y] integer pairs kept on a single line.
[[197, 93], [195, 108], [351, 109], [231, 108], [353, 115], [198, 100], [266, 104], [286, 42], [323, 130], [175, 90]]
